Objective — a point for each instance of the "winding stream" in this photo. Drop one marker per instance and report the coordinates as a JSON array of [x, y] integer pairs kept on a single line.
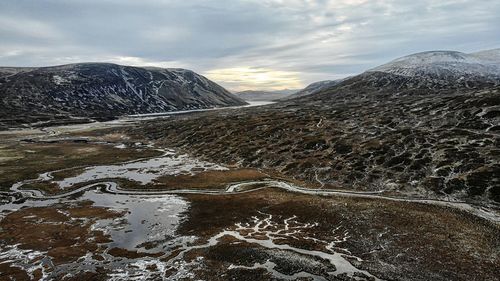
[[152, 218], [251, 186]]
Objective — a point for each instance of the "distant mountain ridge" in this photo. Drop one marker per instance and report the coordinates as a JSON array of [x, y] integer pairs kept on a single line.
[[443, 70], [314, 88], [104, 91], [445, 64], [252, 95], [426, 72]]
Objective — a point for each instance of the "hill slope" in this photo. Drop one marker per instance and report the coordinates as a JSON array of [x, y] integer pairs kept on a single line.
[[445, 64], [314, 88], [103, 91], [441, 70], [378, 131], [421, 73]]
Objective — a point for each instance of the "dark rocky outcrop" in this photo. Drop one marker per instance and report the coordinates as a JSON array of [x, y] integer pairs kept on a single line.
[[103, 91]]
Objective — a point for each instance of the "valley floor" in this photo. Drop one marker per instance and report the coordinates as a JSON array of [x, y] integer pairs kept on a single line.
[[284, 192]]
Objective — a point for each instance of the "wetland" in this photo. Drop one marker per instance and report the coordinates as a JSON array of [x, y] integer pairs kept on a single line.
[[97, 202]]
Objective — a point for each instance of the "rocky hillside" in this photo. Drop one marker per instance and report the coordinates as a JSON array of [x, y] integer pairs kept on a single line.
[[432, 133], [446, 64], [103, 91], [439, 70], [436, 70], [424, 145], [428, 72]]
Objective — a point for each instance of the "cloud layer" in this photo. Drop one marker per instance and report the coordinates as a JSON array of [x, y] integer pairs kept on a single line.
[[246, 44]]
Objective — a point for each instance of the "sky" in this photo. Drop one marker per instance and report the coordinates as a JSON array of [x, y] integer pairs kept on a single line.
[[243, 44]]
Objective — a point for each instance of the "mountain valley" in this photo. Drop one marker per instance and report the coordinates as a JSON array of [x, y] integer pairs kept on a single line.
[[392, 174]]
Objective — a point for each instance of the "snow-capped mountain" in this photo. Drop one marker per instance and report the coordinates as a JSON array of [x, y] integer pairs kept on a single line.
[[442, 69], [489, 56], [102, 90], [431, 72]]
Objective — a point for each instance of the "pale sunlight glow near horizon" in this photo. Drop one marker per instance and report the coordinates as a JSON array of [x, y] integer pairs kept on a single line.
[[247, 78]]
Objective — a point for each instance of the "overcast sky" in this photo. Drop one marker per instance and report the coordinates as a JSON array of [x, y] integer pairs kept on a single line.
[[252, 44]]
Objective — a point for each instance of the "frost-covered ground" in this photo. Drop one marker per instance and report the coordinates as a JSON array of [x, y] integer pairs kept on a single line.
[[446, 63], [264, 229], [362, 182], [143, 172]]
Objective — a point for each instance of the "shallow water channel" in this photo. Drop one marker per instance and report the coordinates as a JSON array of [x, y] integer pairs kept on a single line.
[[149, 220]]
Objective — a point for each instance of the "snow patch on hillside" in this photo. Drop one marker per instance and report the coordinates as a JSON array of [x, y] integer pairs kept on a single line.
[[449, 63], [58, 80]]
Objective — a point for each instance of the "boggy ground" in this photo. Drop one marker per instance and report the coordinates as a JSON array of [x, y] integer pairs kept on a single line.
[[439, 144], [207, 179], [271, 235], [395, 240], [292, 234], [22, 160], [67, 152], [315, 142], [62, 232]]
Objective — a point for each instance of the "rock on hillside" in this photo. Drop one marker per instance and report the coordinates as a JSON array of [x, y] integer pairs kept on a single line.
[[104, 91]]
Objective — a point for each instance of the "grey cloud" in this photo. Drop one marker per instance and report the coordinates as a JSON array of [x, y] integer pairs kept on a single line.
[[317, 40]]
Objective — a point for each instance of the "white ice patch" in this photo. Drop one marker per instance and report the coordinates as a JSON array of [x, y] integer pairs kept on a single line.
[[140, 270], [121, 146], [445, 63], [271, 234], [27, 260], [58, 80], [144, 171]]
